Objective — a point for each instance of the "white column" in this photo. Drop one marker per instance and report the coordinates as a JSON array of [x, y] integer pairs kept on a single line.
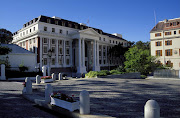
[[83, 53], [64, 53], [102, 56], [57, 53], [41, 52], [70, 42], [94, 55], [79, 52], [97, 54]]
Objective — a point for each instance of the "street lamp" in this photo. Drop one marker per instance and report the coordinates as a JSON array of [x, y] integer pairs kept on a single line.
[[49, 54]]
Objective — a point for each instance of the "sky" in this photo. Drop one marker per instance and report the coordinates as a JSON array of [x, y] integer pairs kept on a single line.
[[134, 19]]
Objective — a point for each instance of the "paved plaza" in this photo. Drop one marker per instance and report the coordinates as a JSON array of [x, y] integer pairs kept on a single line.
[[123, 98]]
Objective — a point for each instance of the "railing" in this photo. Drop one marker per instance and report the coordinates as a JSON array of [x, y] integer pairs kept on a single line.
[[164, 73]]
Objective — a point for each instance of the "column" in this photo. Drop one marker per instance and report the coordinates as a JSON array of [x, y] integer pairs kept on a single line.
[[39, 45], [94, 55], [79, 46], [64, 53], [71, 56], [57, 53], [83, 53], [49, 46], [106, 55], [102, 56], [97, 54]]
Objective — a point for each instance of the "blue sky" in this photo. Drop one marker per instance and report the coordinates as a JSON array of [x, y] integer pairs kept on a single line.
[[132, 18]]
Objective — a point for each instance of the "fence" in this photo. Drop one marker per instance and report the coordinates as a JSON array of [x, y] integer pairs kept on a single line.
[[166, 73]]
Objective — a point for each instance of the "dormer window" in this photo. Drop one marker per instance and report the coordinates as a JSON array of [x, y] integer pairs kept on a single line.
[[56, 22], [63, 23], [174, 23], [48, 20], [167, 24]]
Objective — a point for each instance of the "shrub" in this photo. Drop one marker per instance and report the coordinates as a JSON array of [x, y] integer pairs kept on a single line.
[[91, 74], [103, 73], [143, 76], [115, 72], [120, 69]]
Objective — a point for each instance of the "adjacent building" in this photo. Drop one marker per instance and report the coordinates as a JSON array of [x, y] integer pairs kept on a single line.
[[68, 46], [165, 42]]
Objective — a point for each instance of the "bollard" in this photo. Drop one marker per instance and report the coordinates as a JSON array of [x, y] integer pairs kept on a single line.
[[151, 109], [60, 76], [38, 79], [44, 70], [84, 102], [53, 77], [3, 76], [48, 91], [28, 85]]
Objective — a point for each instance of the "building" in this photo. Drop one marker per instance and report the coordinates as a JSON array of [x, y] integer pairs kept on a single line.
[[165, 42], [68, 46], [18, 56]]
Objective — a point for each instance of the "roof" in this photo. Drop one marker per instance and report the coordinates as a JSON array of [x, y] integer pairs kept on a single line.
[[67, 23], [162, 25], [16, 49]]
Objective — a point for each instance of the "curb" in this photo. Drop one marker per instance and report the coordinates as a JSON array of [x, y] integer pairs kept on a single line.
[[41, 102]]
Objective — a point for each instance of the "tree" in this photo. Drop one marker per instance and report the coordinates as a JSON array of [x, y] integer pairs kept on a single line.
[[139, 59], [5, 36], [4, 50]]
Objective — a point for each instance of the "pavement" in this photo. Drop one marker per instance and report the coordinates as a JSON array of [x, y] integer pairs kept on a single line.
[[115, 97]]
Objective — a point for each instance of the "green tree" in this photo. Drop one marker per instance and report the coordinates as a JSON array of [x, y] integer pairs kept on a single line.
[[4, 50], [5, 36]]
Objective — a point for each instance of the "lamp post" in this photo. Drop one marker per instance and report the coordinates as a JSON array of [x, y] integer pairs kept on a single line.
[[7, 58], [49, 54]]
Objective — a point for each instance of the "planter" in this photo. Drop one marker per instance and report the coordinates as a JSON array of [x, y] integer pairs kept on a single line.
[[46, 80], [71, 106]]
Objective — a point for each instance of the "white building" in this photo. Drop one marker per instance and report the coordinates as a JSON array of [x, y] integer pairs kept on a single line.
[[75, 47], [165, 42]]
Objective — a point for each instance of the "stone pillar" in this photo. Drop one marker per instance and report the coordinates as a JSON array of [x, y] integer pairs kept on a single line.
[[102, 56], [28, 85], [71, 54], [44, 70], [97, 54], [79, 52], [38, 79], [84, 102], [94, 55], [48, 91], [3, 76], [83, 53], [57, 53], [60, 76], [64, 53], [106, 55], [151, 109], [54, 77]]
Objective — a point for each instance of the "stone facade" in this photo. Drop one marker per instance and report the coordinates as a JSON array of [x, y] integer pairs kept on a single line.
[[74, 46]]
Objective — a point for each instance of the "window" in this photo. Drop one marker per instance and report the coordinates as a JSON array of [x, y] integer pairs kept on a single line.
[[116, 42], [53, 29], [45, 49], [34, 28], [157, 34], [29, 30], [168, 52], [60, 61], [48, 20], [104, 39], [52, 41], [110, 41], [67, 43], [167, 33], [45, 28], [99, 61], [99, 52], [53, 61], [30, 41], [104, 61], [159, 43], [99, 38], [60, 42], [167, 24], [53, 49], [158, 52], [67, 61], [67, 32], [174, 32], [56, 22], [174, 23], [23, 33], [67, 51], [60, 31], [168, 42], [45, 40], [60, 50], [113, 41], [45, 61]]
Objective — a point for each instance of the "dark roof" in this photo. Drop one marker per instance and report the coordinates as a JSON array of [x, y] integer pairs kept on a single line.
[[16, 49], [162, 25], [67, 23]]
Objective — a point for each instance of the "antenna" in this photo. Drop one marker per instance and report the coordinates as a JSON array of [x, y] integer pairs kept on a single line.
[[155, 17]]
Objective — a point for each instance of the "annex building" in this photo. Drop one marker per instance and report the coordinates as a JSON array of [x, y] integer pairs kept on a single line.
[[165, 42], [68, 46]]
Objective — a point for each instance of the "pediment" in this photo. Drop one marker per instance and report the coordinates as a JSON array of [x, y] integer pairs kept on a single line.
[[89, 31]]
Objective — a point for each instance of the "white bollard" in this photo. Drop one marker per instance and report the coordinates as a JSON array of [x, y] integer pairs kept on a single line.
[[38, 79], [151, 109], [54, 77], [3, 76], [28, 85], [44, 70], [48, 91], [60, 76], [84, 102]]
